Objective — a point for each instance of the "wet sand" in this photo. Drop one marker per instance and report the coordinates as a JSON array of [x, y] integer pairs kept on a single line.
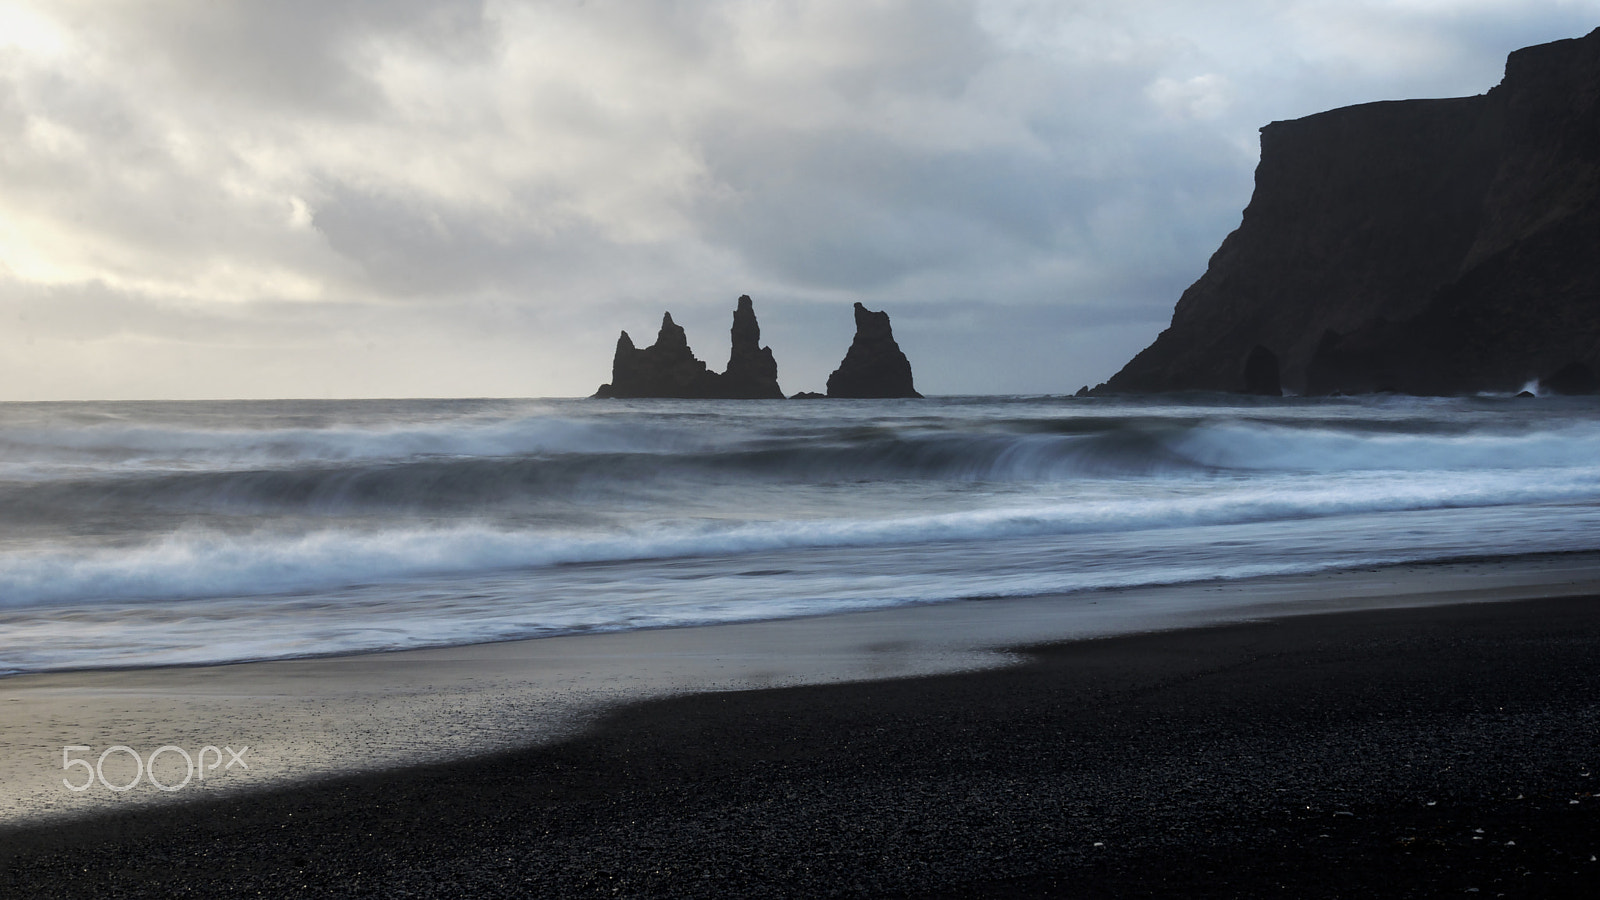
[[1304, 752]]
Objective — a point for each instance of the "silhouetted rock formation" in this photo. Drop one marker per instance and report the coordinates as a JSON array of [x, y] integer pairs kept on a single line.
[[1261, 373], [752, 373], [669, 369], [873, 367], [1574, 378], [1424, 246]]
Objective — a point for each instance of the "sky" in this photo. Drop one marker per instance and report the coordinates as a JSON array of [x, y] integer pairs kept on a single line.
[[470, 198]]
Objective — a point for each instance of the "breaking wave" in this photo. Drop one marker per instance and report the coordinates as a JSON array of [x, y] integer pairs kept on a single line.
[[197, 562]]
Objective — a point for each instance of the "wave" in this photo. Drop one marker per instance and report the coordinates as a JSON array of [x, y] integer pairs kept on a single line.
[[196, 561], [43, 452], [1274, 447], [515, 465]]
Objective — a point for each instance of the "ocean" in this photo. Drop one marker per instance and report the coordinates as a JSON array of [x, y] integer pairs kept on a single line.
[[138, 534]]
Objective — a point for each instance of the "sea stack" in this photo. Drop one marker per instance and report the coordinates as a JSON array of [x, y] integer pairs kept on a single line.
[[874, 367], [752, 373], [1419, 246], [669, 369]]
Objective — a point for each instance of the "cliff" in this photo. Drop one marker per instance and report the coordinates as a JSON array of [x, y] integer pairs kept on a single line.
[[669, 369], [874, 366], [1423, 246]]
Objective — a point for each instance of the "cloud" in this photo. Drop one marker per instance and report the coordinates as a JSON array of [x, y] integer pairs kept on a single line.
[[296, 56], [483, 191], [1199, 97]]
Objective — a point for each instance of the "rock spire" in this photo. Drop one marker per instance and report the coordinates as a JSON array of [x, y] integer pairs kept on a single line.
[[669, 369], [752, 373], [874, 366]]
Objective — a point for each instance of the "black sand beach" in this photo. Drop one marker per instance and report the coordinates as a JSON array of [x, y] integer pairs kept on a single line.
[[1435, 751]]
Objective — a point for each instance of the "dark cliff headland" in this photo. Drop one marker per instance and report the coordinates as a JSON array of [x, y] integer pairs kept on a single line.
[[1427, 247], [874, 366]]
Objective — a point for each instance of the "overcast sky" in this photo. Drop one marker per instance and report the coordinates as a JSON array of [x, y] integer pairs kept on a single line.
[[347, 198]]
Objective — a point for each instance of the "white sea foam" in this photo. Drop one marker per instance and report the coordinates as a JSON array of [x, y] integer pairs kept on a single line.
[[698, 591], [1270, 447], [196, 562]]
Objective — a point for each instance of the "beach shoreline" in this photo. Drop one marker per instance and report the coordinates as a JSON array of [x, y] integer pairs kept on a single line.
[[1254, 727], [318, 717]]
